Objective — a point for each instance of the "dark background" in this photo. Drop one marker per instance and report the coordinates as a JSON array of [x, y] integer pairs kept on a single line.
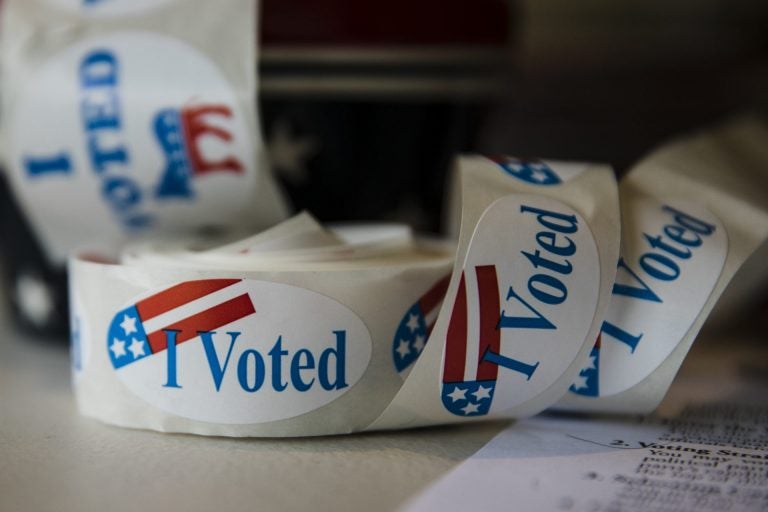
[[376, 97]]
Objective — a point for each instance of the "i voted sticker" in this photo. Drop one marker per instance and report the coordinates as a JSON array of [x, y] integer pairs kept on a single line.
[[671, 258], [148, 136], [237, 351], [524, 305]]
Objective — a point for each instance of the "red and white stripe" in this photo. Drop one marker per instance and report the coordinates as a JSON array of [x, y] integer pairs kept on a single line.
[[193, 306], [430, 302], [473, 327]]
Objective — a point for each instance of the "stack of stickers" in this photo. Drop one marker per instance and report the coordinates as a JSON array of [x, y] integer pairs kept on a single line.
[[565, 289]]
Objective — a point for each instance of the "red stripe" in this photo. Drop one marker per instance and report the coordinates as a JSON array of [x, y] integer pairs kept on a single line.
[[456, 339], [598, 340], [179, 295], [208, 320], [490, 309], [434, 296]]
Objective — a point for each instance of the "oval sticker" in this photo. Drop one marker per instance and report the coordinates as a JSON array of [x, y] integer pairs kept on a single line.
[[237, 350], [672, 255], [526, 300], [119, 161]]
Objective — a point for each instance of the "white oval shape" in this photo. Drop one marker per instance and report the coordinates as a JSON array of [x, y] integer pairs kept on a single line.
[[119, 161], [651, 312], [522, 311], [246, 351]]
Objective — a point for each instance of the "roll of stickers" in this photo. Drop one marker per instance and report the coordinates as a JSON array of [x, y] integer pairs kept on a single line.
[[692, 213], [302, 330], [126, 118]]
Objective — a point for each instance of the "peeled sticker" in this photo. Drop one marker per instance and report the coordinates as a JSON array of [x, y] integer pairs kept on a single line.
[[691, 216], [672, 256], [528, 291], [154, 132], [129, 162], [233, 351], [523, 307]]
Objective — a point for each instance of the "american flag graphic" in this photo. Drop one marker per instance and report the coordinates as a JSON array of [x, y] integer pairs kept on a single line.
[[587, 383], [468, 381], [179, 132], [136, 332], [530, 170], [417, 323]]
